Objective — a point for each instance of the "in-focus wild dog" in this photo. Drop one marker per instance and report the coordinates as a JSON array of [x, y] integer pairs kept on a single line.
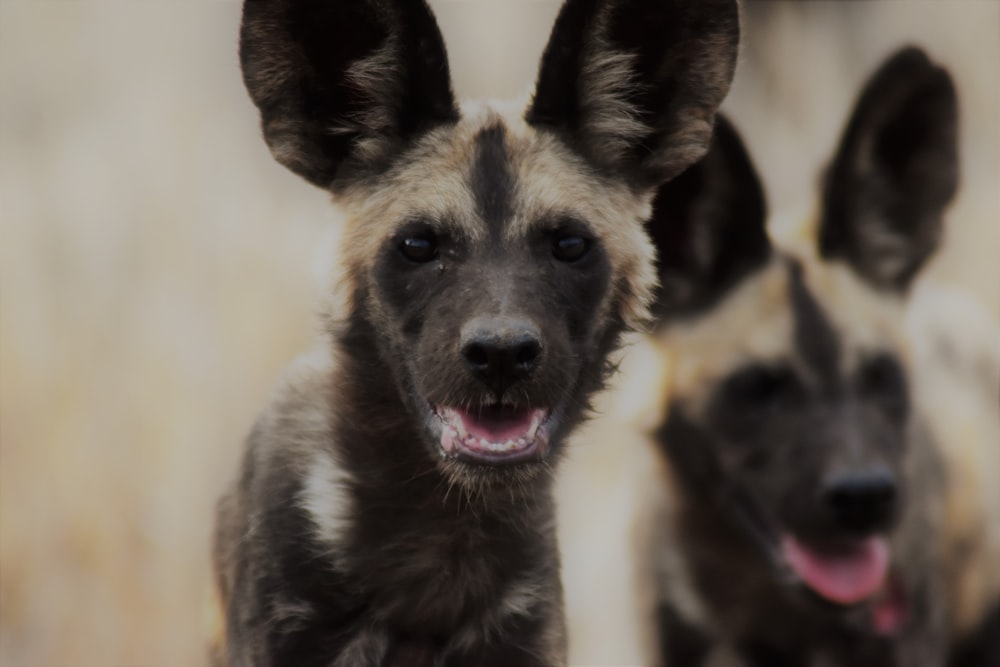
[[394, 502], [809, 515]]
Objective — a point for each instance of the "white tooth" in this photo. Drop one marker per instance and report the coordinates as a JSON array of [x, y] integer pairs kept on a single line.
[[459, 424], [484, 442], [523, 442], [535, 421]]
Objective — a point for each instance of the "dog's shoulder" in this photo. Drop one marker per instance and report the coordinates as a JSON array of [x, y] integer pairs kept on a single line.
[[289, 464], [281, 523]]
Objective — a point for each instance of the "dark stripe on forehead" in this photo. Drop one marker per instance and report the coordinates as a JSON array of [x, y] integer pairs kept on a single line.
[[815, 338], [492, 181]]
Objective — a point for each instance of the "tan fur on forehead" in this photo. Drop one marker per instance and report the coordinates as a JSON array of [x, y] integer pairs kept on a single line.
[[428, 180], [753, 323], [867, 320], [756, 323], [432, 180], [552, 181]]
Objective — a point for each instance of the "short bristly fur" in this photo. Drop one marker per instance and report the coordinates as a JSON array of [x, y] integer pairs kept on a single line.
[[393, 506], [815, 405]]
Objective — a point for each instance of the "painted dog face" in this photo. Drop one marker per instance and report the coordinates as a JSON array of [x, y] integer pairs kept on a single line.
[[789, 411], [494, 257]]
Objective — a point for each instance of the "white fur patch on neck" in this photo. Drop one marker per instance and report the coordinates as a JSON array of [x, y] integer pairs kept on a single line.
[[304, 426], [325, 496]]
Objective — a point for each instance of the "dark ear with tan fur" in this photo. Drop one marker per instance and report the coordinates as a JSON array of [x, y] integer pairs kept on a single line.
[[633, 85], [342, 86], [894, 174], [709, 228]]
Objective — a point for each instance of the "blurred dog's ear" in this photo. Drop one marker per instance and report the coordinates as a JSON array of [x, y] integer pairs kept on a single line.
[[709, 227], [633, 85], [894, 174], [343, 86]]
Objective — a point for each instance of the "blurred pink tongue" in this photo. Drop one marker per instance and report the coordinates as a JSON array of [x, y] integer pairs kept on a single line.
[[845, 576]]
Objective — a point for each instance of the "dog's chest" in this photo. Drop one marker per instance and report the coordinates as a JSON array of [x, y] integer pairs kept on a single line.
[[445, 582]]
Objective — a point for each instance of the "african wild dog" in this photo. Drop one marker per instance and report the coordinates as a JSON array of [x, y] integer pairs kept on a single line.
[[393, 506], [810, 515]]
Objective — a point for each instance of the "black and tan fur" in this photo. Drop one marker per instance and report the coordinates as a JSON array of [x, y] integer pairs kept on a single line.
[[798, 398], [488, 262]]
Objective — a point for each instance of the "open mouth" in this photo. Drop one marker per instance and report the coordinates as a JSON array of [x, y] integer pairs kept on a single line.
[[846, 574], [496, 434], [851, 573]]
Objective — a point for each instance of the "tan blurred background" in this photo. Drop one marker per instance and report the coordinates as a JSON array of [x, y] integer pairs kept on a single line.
[[156, 269]]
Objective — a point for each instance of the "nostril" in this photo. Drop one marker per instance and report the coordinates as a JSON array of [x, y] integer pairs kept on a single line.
[[477, 356], [526, 354]]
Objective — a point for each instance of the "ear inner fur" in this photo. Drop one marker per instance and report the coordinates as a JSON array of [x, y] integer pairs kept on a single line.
[[342, 86], [894, 174], [638, 96]]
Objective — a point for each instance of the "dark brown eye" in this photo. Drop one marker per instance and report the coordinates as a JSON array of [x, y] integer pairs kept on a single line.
[[759, 388], [569, 247], [419, 249], [882, 377]]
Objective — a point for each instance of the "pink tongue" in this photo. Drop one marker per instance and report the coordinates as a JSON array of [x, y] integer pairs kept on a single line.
[[846, 576]]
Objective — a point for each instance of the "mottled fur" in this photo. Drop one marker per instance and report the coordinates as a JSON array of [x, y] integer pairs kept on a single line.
[[352, 536]]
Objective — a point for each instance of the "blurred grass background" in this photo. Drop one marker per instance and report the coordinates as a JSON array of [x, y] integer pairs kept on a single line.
[[156, 269]]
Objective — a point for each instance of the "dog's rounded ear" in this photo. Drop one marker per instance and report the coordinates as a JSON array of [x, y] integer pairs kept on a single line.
[[894, 174], [709, 228], [634, 85], [343, 86]]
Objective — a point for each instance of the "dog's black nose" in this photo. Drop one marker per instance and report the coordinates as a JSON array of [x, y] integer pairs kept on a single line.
[[500, 351], [862, 501]]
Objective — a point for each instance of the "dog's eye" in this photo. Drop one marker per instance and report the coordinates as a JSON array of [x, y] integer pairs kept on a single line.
[[881, 377], [569, 247], [423, 248], [759, 387]]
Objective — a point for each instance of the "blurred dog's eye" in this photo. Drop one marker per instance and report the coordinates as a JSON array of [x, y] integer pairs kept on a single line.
[[420, 249], [882, 377], [569, 247], [759, 387]]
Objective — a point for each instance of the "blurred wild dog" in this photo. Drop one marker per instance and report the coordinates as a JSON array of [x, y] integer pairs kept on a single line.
[[394, 505], [832, 449]]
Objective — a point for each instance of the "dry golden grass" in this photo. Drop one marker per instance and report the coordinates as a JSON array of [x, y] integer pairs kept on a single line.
[[155, 273]]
